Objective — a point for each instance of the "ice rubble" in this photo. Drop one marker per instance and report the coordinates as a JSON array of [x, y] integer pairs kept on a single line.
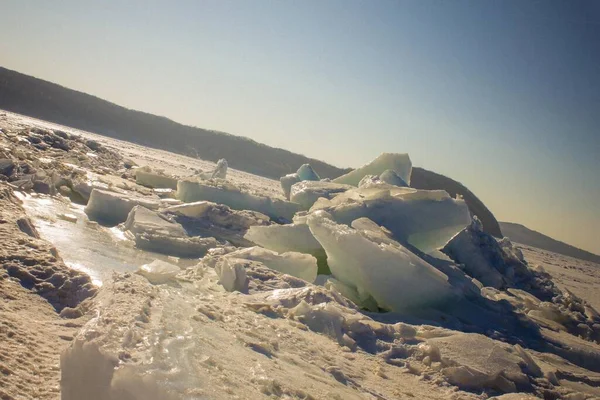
[[507, 277], [426, 219], [378, 267], [146, 177], [306, 193], [225, 193], [399, 163]]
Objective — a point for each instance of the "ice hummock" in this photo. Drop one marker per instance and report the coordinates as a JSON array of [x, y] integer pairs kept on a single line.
[[378, 267], [426, 219], [397, 162], [225, 193]]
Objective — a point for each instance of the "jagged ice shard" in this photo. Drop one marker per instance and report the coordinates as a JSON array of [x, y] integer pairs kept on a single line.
[[307, 173], [399, 163], [426, 219], [378, 267]]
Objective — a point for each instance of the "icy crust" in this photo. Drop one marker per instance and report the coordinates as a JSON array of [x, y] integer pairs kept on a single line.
[[208, 335], [306, 193], [426, 219], [224, 193], [377, 267], [399, 163]]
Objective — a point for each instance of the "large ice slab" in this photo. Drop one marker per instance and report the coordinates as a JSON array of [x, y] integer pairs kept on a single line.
[[146, 177], [282, 238], [112, 208], [426, 219], [303, 266], [398, 162], [378, 267], [224, 193], [306, 193]]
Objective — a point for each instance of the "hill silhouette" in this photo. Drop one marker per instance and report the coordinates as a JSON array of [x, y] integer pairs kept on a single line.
[[48, 101], [521, 234]]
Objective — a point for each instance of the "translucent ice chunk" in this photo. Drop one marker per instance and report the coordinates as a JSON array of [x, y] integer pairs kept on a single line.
[[399, 163], [306, 173], [378, 267], [426, 219]]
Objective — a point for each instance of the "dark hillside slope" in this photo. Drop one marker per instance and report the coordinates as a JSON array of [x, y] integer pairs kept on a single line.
[[51, 102], [521, 234]]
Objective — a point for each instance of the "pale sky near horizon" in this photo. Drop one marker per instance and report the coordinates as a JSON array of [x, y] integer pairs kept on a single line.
[[503, 96]]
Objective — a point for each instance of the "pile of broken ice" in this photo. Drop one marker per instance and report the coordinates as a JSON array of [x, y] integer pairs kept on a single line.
[[367, 235], [367, 238]]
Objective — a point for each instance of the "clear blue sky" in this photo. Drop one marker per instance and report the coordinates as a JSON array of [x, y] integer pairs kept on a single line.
[[503, 96]]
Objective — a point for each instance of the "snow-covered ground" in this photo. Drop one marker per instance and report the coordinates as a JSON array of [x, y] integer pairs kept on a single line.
[[277, 336]]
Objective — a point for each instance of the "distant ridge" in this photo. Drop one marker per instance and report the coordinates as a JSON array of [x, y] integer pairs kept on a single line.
[[521, 234], [48, 101], [41, 99]]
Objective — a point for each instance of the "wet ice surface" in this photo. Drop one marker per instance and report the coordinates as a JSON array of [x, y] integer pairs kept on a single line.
[[86, 246]]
